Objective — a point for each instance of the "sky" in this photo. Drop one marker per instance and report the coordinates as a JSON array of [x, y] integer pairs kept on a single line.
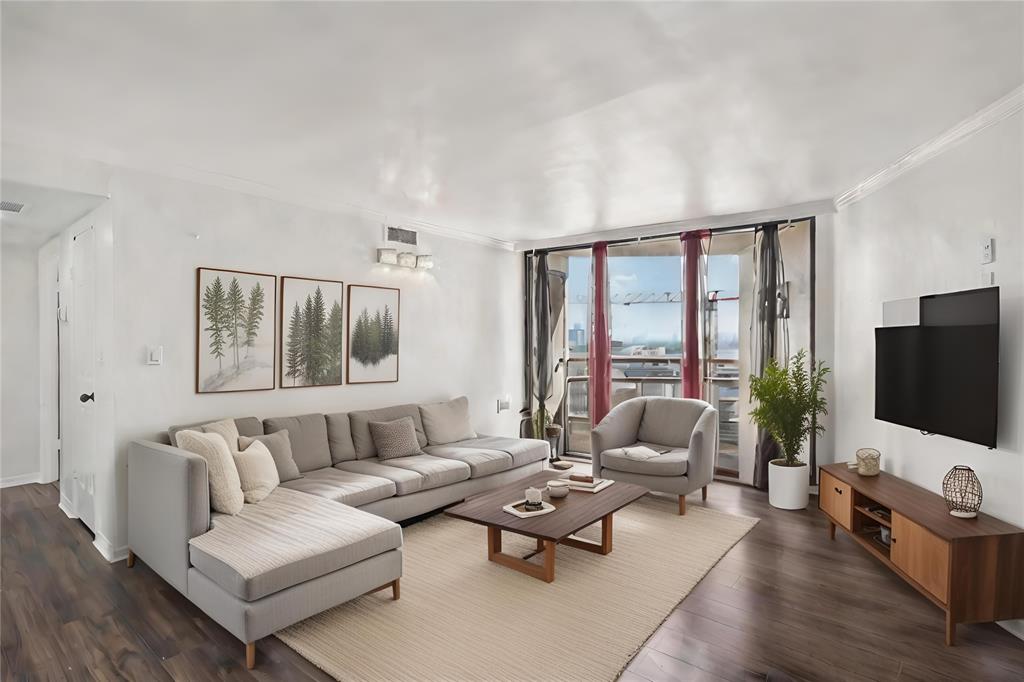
[[649, 322]]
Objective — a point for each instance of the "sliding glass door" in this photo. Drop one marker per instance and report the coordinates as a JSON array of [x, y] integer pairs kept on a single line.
[[647, 305]]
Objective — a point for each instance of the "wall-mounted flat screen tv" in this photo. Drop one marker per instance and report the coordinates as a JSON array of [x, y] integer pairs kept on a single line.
[[942, 375]]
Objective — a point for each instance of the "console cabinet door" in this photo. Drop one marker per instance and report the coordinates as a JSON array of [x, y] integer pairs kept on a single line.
[[921, 555], [835, 498]]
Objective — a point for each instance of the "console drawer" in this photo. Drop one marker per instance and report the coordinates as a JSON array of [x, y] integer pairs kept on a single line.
[[835, 498]]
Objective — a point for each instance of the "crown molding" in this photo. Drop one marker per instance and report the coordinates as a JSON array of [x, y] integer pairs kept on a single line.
[[804, 210], [999, 110]]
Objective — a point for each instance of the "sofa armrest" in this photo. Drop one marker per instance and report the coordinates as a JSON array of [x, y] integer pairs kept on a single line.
[[703, 449], [168, 504], [617, 430]]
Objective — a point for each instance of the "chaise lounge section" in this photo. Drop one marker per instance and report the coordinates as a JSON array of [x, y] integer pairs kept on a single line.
[[315, 541]]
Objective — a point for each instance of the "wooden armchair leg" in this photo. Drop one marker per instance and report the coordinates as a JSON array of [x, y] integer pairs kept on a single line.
[[130, 561], [250, 655], [704, 493], [682, 505]]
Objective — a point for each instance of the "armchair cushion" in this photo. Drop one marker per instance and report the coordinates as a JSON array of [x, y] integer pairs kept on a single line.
[[671, 463]]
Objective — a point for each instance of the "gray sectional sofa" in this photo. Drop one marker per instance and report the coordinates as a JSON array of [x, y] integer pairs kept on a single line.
[[315, 541]]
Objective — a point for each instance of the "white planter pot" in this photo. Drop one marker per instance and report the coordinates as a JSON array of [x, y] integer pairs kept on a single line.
[[787, 486]]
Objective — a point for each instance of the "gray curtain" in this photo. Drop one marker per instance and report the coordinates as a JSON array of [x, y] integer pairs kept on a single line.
[[546, 374], [542, 374], [769, 330]]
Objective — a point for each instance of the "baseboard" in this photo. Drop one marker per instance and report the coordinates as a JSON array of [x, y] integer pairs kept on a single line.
[[109, 552], [65, 506], [24, 479], [1014, 627]]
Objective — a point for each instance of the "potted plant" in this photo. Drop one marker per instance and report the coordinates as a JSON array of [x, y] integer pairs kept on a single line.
[[788, 403]]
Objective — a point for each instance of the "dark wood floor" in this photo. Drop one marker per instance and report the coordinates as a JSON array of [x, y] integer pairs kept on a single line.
[[784, 599]]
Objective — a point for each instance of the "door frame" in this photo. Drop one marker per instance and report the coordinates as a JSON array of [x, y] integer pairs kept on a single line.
[[49, 361]]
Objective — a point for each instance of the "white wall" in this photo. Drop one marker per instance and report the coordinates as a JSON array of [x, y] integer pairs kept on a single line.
[[460, 327], [19, 403], [920, 235]]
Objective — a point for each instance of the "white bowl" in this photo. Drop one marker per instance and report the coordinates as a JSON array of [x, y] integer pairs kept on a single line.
[[557, 489]]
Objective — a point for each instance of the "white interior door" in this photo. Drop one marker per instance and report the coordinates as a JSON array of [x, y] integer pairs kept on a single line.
[[81, 398]]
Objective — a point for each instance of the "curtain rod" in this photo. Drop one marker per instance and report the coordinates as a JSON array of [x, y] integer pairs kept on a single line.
[[752, 227]]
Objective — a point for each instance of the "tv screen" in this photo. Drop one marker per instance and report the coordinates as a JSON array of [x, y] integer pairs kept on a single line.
[[942, 376]]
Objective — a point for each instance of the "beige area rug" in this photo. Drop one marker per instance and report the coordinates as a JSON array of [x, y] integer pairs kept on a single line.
[[462, 617]]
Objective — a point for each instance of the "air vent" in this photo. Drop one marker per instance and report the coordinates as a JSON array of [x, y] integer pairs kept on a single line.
[[400, 235], [15, 207]]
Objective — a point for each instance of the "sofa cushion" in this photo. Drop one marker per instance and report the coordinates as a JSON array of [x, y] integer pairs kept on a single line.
[[225, 488], [287, 539], [360, 424], [257, 472], [395, 438], [247, 426], [670, 463], [344, 486], [522, 450], [308, 436], [339, 437], [481, 462], [406, 481], [447, 422], [436, 471], [669, 420], [280, 446]]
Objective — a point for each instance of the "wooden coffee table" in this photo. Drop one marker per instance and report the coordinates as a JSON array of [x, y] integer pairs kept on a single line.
[[572, 513]]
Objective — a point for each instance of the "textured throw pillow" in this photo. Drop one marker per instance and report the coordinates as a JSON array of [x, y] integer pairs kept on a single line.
[[226, 429], [280, 446], [447, 422], [396, 438], [225, 488], [257, 472]]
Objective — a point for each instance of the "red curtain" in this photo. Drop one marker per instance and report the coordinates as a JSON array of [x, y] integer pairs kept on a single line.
[[693, 284], [599, 362]]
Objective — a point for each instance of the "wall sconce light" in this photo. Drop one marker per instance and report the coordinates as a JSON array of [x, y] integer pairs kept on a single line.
[[387, 256], [405, 259]]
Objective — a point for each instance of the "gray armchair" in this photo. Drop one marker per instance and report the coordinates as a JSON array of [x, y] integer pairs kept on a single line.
[[682, 432]]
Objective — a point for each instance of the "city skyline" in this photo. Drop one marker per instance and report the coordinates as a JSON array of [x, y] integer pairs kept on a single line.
[[649, 323]]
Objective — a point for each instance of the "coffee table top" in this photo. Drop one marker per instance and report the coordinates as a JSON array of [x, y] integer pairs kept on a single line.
[[572, 513]]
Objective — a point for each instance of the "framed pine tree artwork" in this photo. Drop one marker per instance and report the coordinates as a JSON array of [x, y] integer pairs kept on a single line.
[[235, 331], [373, 314], [312, 332]]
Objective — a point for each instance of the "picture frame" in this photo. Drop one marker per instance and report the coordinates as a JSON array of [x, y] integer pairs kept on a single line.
[[312, 332], [373, 334], [236, 326]]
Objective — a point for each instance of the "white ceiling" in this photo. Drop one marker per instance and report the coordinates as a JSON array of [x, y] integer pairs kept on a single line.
[[512, 120], [47, 211]]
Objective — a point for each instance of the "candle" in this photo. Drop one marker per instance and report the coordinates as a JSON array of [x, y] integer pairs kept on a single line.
[[533, 496]]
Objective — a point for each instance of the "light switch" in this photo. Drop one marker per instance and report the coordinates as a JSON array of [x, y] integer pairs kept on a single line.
[[154, 355], [988, 255], [504, 403]]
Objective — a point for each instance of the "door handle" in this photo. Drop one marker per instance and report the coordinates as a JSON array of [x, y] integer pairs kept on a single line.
[[839, 491], [86, 397]]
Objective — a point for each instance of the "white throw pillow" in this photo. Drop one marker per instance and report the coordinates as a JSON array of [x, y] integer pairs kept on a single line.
[[257, 472], [227, 429], [225, 487], [447, 422]]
